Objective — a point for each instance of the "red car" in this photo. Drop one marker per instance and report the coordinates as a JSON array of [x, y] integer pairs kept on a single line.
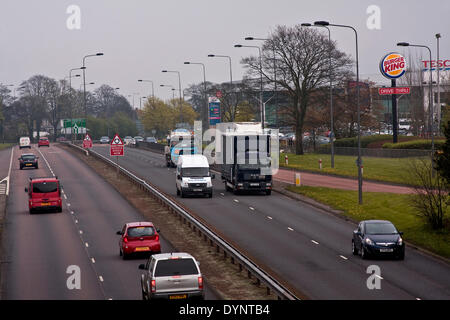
[[43, 141], [44, 194], [139, 237]]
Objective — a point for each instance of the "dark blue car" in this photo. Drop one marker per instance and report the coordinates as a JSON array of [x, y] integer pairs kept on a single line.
[[378, 238]]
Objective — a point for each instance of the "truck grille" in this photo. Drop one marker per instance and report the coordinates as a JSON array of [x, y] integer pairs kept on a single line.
[[197, 185]]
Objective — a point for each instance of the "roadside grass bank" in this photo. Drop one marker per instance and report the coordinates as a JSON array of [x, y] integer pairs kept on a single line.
[[220, 274], [396, 208], [393, 170]]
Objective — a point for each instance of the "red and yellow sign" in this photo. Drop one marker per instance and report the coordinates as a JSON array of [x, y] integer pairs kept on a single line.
[[393, 65]]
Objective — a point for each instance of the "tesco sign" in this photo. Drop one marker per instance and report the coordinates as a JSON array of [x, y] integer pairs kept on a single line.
[[393, 65], [433, 64]]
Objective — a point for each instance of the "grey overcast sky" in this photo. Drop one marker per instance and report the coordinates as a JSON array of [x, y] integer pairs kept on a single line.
[[141, 37]]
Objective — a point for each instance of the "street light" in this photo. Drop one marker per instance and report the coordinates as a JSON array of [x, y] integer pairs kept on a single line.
[[438, 36], [331, 91], [260, 80], [179, 88], [359, 160], [84, 82], [172, 88], [153, 91], [430, 101], [205, 111]]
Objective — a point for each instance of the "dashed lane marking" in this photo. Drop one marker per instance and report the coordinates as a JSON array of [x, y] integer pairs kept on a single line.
[[315, 242]]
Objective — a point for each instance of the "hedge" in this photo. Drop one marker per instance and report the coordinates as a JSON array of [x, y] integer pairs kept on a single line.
[[365, 140], [415, 144]]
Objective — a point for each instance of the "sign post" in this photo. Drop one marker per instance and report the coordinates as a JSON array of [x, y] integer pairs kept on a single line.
[[393, 66], [116, 149]]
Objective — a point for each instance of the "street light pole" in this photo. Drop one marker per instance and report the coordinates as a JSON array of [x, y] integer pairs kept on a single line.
[[179, 89], [231, 73], [84, 83], [70, 99], [438, 36], [205, 111], [430, 99], [153, 90], [359, 160], [261, 105]]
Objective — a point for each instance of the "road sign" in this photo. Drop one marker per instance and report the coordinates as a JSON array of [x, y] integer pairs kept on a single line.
[[396, 90], [87, 142], [214, 111], [116, 146]]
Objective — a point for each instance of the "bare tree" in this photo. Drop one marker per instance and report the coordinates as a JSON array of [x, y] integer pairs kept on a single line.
[[301, 66]]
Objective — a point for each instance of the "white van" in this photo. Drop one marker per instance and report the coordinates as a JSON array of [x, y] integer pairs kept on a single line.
[[193, 176], [24, 142]]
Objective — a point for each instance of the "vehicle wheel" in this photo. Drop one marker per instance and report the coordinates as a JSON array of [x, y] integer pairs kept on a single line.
[[268, 192], [120, 252], [363, 253], [37, 167], [210, 195], [31, 211], [182, 194], [144, 296], [354, 250], [168, 165], [21, 168], [178, 192], [59, 209], [401, 256], [124, 256]]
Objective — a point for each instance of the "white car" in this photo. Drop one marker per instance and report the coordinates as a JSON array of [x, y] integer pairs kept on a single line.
[[128, 140]]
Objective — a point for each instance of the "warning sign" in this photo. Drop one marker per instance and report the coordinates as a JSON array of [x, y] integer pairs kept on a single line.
[[116, 146], [87, 142]]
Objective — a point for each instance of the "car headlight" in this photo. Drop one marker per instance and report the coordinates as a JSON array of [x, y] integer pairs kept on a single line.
[[368, 241], [400, 241]]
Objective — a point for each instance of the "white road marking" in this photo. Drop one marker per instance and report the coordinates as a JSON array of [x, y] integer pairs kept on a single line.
[[269, 217], [68, 204], [222, 194], [93, 260], [315, 242], [235, 200], [81, 232], [65, 197], [251, 208], [418, 299], [76, 221], [345, 258], [86, 244], [290, 229], [100, 278], [380, 277], [71, 212]]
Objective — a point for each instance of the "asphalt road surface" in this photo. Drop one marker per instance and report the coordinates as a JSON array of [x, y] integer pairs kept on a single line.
[[306, 246], [41, 247]]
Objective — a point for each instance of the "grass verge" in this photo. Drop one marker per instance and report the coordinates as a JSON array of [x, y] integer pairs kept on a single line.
[[387, 206], [5, 145], [392, 170]]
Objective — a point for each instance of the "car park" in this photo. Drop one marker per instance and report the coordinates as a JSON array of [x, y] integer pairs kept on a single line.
[[43, 142], [24, 142], [28, 160], [104, 139], [138, 237], [377, 238], [171, 276], [44, 194]]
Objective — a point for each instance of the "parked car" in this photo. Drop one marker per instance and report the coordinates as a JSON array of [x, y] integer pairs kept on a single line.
[[43, 142], [138, 237], [24, 142], [44, 194], [377, 238], [104, 139], [171, 276], [139, 139], [28, 160], [151, 140]]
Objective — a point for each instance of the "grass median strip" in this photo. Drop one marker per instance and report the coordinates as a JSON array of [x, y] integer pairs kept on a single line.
[[5, 145], [394, 170], [396, 208]]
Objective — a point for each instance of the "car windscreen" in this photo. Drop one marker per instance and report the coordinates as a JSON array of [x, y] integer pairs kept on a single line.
[[175, 267], [28, 158], [195, 172], [45, 187], [380, 228], [141, 231]]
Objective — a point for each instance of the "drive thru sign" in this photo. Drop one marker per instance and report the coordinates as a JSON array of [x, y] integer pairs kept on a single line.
[[116, 146]]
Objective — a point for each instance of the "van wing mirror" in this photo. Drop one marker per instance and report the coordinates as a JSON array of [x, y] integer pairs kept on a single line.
[[142, 267], [119, 233], [26, 190], [213, 176], [178, 177]]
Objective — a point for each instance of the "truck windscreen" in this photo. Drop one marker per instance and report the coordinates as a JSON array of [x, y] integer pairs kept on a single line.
[[195, 172]]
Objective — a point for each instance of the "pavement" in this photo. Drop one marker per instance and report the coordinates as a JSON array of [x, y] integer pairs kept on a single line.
[[322, 180]]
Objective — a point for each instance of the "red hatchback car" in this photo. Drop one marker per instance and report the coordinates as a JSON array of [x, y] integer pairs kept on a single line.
[[139, 237], [43, 141], [44, 194]]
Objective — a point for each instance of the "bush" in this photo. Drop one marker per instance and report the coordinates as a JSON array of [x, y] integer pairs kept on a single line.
[[415, 144], [365, 140]]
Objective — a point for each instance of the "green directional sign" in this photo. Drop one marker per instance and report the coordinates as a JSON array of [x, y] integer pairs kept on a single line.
[[71, 123]]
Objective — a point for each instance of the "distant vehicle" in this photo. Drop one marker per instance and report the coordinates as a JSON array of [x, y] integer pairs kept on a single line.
[[179, 141], [240, 174], [139, 139], [138, 237], [128, 140], [404, 124], [193, 176], [377, 237], [43, 142], [171, 276], [322, 140], [104, 139], [24, 142], [44, 194], [61, 139], [28, 160], [151, 140]]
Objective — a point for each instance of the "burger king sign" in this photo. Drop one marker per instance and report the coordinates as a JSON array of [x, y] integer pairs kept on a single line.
[[393, 65]]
